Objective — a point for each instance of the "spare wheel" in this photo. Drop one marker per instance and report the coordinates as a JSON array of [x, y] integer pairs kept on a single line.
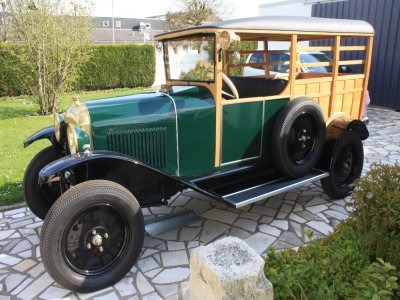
[[298, 137]]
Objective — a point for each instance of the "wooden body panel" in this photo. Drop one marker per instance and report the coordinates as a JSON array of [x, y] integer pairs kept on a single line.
[[347, 90]]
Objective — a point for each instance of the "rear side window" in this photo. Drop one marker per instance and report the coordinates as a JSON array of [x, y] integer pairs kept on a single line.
[[257, 58], [279, 57]]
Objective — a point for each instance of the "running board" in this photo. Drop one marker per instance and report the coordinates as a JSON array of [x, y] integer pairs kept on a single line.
[[270, 188]]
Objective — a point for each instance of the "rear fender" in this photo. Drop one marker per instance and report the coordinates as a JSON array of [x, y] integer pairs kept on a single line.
[[149, 185], [334, 131]]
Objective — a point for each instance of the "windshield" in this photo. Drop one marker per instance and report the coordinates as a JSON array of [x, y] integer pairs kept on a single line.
[[190, 58]]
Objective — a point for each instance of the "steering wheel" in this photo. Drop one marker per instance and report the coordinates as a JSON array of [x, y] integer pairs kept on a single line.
[[232, 87]]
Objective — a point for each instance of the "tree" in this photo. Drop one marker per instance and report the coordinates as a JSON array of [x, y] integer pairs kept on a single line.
[[56, 35], [197, 12], [5, 22]]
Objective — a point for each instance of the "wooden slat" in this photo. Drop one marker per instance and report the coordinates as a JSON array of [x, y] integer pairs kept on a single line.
[[344, 76], [315, 64], [216, 89], [335, 72], [254, 99], [316, 48], [351, 62], [266, 54], [274, 63], [293, 65], [257, 51], [353, 48], [245, 51], [367, 67]]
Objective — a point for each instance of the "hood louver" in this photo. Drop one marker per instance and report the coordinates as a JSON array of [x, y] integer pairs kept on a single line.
[[146, 145]]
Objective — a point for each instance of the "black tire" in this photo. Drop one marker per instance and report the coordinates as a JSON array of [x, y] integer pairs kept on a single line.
[[298, 137], [86, 211], [37, 202], [346, 166]]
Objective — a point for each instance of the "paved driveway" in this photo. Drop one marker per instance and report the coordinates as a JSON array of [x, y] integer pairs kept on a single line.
[[163, 270]]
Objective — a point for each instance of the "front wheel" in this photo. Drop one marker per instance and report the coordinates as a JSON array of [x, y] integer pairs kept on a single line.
[[92, 236], [346, 166], [37, 202]]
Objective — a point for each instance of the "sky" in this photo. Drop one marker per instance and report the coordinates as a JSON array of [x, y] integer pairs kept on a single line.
[[147, 8]]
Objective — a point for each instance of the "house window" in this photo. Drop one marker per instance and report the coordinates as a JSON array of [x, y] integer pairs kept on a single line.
[[106, 23], [118, 24]]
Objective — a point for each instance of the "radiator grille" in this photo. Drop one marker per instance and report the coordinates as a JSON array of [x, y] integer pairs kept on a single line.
[[146, 145]]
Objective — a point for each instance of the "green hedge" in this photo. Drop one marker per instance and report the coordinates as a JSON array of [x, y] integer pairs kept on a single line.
[[117, 66], [16, 76], [110, 66]]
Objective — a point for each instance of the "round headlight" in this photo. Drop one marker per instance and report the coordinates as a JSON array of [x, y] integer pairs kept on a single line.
[[72, 139], [227, 38]]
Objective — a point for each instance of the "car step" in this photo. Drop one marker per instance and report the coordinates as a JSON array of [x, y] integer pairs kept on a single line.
[[273, 187]]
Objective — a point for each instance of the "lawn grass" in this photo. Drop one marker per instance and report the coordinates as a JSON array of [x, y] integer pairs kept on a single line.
[[18, 120]]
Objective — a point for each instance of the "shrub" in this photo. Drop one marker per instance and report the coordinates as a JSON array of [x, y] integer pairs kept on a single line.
[[116, 66], [324, 269], [110, 66], [330, 268], [350, 262], [376, 202], [16, 75]]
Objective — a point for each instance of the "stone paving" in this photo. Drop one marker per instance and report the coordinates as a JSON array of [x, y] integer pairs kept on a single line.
[[162, 270]]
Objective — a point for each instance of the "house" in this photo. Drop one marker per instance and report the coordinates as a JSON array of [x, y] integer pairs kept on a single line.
[[127, 30]]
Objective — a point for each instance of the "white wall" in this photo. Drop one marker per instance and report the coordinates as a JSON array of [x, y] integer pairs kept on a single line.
[[160, 72], [286, 8]]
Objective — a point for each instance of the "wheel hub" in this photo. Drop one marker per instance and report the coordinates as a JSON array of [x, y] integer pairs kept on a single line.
[[95, 238]]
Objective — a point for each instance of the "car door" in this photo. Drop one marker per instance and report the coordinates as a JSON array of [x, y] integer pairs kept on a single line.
[[242, 130]]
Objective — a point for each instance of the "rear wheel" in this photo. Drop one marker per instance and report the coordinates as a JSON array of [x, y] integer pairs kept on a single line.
[[346, 166], [92, 236], [298, 137], [37, 202]]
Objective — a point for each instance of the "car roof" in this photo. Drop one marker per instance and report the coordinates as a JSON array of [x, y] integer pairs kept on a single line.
[[289, 23]]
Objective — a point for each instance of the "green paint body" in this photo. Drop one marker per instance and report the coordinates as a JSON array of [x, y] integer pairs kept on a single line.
[[176, 133]]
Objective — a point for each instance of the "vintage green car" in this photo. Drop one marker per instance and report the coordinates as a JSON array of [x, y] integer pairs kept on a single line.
[[232, 138]]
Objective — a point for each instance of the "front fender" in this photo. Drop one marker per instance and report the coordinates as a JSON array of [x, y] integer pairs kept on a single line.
[[73, 161], [45, 133], [149, 185]]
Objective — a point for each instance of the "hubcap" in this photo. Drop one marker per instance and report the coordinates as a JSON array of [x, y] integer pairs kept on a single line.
[[95, 239], [302, 138], [344, 167]]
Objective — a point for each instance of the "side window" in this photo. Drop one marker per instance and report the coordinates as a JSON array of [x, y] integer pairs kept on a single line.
[[257, 58], [283, 68], [273, 57]]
